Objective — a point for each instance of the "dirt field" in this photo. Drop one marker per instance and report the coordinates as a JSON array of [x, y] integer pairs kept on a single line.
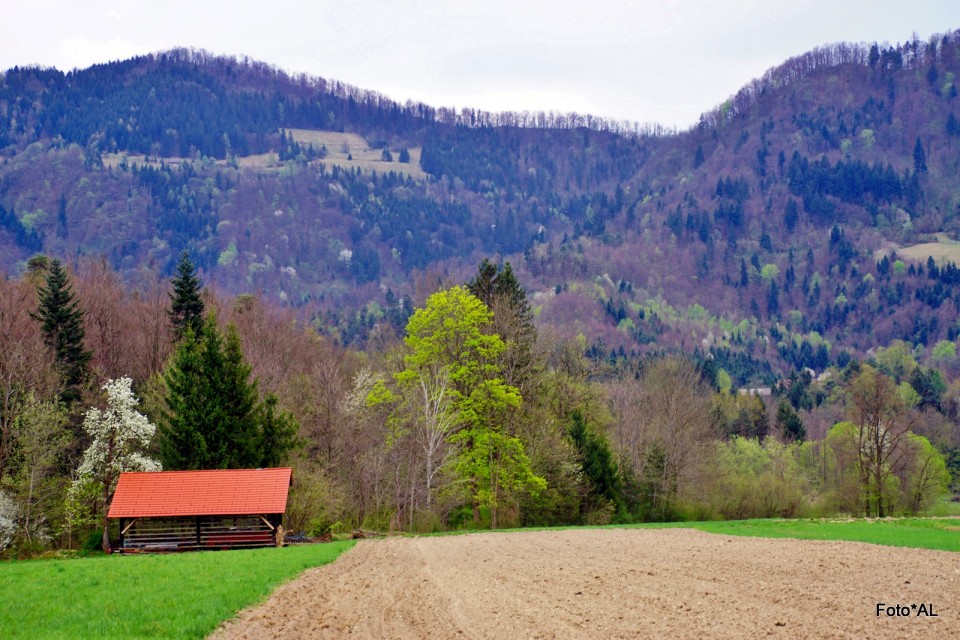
[[675, 583]]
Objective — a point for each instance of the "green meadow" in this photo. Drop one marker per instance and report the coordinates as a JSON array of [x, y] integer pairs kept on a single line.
[[183, 595], [925, 533]]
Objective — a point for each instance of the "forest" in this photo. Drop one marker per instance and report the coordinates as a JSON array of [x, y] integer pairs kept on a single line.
[[473, 417]]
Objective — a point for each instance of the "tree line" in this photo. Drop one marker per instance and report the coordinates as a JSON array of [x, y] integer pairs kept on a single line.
[[474, 418]]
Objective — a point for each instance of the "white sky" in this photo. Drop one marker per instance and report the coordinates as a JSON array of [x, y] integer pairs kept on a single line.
[[663, 61]]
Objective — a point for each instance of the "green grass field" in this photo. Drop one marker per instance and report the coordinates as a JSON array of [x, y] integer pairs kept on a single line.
[[926, 533], [157, 596]]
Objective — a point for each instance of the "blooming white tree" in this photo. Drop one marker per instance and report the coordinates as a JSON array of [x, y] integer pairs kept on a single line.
[[8, 520], [119, 435]]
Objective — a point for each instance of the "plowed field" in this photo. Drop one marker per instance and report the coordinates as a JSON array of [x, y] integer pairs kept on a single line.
[[614, 583]]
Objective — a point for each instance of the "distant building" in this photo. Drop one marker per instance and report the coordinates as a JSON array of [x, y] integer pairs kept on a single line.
[[759, 391]]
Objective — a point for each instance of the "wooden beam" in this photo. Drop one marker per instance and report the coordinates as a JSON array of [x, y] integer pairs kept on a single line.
[[127, 528], [267, 522]]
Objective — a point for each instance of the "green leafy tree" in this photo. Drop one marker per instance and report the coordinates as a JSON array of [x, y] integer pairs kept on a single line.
[[34, 481], [186, 306], [449, 335], [926, 474], [61, 322]]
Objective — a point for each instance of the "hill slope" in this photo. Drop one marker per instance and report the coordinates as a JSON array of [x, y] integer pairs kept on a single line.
[[767, 234]]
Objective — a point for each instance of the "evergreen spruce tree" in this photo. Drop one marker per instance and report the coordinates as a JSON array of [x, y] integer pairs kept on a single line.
[[278, 433], [61, 322], [186, 307], [499, 289], [183, 444], [790, 423], [213, 417], [234, 441], [599, 469]]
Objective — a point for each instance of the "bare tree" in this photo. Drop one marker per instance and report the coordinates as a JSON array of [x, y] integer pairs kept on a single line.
[[879, 415], [26, 364], [663, 430]]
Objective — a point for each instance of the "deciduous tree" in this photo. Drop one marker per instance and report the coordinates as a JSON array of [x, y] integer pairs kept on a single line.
[[120, 434], [448, 338]]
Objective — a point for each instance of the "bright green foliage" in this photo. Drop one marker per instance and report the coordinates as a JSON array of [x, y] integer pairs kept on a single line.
[[769, 273], [926, 475], [908, 395], [448, 333], [446, 338], [186, 307], [61, 322], [213, 418], [945, 351], [923, 533], [754, 479]]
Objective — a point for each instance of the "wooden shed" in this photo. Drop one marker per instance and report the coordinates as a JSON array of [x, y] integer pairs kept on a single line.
[[188, 510]]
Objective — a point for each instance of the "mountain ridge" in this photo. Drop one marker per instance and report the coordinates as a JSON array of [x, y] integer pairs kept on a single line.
[[770, 211]]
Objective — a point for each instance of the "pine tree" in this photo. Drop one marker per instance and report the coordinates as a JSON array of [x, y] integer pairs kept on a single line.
[[498, 288], [789, 422], [186, 307], [919, 157], [181, 430], [234, 442], [698, 157], [61, 322], [213, 417], [597, 461]]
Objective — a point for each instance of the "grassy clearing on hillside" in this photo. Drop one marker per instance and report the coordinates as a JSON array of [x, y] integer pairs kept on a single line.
[[346, 150], [341, 146], [942, 250], [163, 596], [925, 533]]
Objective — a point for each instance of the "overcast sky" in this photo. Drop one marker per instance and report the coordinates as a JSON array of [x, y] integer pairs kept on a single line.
[[648, 61]]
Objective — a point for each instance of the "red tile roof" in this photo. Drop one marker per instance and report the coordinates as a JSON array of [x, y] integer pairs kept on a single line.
[[201, 493]]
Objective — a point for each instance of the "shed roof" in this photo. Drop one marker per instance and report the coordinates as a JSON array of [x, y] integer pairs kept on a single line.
[[201, 493]]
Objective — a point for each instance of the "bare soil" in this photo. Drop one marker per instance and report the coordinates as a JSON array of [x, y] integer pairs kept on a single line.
[[627, 583]]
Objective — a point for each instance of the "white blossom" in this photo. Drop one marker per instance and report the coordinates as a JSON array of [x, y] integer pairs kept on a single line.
[[8, 520], [119, 433]]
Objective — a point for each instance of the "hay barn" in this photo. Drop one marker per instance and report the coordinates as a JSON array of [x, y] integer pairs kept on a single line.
[[191, 510]]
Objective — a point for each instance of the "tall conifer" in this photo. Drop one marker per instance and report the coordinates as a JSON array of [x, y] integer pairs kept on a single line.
[[213, 417], [186, 306], [61, 322]]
